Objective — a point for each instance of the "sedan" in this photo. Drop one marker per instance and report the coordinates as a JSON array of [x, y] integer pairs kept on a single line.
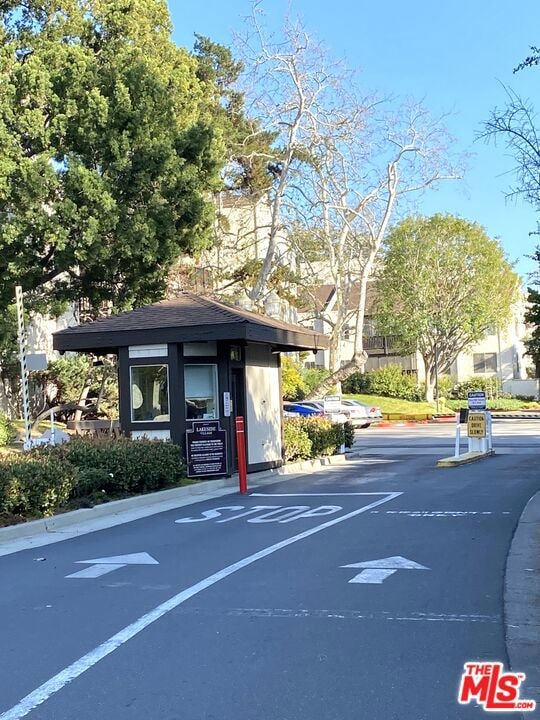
[[318, 406], [373, 413], [295, 409]]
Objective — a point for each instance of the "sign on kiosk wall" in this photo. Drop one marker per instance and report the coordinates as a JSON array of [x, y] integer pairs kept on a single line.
[[206, 449]]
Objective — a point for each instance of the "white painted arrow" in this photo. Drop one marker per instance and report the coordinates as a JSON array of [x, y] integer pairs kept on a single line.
[[102, 566], [376, 571]]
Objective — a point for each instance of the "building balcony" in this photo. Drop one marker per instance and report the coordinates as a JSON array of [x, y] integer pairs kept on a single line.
[[381, 345]]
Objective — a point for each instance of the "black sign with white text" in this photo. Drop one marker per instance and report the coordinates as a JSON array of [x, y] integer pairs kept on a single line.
[[206, 449]]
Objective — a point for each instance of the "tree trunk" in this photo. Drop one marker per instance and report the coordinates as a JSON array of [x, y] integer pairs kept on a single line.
[[356, 363], [430, 390], [430, 379], [82, 398]]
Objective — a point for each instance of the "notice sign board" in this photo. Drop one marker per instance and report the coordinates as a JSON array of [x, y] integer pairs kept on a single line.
[[206, 449], [332, 404], [477, 400], [476, 425]]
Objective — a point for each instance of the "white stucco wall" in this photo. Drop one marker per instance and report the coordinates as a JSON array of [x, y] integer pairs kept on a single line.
[[263, 405]]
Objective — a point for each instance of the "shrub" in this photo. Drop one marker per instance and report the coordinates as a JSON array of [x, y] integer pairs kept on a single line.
[[312, 437], [292, 382], [357, 383], [446, 386], [35, 487], [389, 381], [348, 432], [491, 385], [313, 376], [326, 437], [7, 430], [122, 466], [296, 442]]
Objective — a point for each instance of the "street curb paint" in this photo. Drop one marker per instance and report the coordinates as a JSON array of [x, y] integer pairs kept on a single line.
[[464, 459]]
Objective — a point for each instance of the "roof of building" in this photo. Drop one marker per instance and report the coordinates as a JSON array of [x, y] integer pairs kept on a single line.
[[323, 294], [186, 318]]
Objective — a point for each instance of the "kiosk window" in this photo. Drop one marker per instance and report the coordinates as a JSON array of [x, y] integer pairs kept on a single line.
[[149, 393], [200, 386]]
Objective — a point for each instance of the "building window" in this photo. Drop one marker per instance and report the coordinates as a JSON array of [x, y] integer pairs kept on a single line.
[[485, 362], [149, 393], [200, 386]]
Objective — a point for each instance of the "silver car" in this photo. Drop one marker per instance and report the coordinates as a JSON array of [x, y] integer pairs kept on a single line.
[[366, 415]]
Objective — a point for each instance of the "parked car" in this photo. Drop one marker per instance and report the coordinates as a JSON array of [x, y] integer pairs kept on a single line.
[[318, 406], [296, 409], [373, 413]]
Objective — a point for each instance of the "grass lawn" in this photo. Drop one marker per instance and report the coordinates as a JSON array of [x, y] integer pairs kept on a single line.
[[390, 405], [45, 425], [394, 405]]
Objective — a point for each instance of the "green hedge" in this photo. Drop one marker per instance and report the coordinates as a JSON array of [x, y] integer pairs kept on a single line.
[[7, 430], [35, 487], [388, 381], [47, 479], [122, 466], [312, 437], [296, 442]]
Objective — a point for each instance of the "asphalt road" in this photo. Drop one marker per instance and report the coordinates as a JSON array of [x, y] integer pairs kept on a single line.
[[250, 612]]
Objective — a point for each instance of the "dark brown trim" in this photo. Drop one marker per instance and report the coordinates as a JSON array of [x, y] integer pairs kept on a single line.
[[81, 340]]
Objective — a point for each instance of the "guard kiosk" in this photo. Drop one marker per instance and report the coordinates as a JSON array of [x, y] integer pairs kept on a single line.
[[188, 367]]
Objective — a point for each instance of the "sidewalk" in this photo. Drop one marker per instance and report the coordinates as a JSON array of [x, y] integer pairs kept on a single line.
[[522, 601]]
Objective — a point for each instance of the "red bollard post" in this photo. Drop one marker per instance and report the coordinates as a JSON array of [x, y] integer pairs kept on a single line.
[[241, 453]]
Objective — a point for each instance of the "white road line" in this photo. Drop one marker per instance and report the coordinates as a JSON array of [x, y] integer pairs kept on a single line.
[[312, 613], [80, 666], [313, 494], [438, 513]]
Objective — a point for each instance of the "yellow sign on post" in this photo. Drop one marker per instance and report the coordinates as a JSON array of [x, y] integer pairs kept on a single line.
[[476, 425]]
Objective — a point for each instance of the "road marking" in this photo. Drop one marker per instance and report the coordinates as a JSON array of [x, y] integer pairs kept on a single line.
[[102, 566], [266, 513], [437, 513], [80, 666], [340, 614], [338, 494], [375, 572]]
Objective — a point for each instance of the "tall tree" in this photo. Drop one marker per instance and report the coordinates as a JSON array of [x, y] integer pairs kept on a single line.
[[108, 150], [343, 161], [443, 284], [516, 124]]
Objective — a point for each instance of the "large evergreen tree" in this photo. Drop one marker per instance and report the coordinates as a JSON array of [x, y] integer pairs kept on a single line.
[[108, 150]]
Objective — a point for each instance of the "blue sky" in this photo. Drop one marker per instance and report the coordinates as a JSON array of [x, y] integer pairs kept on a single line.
[[452, 55]]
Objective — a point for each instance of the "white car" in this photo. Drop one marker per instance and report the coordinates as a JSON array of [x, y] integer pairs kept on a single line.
[[365, 415], [318, 405]]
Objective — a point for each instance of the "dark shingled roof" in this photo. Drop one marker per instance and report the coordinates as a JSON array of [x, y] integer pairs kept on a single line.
[[186, 318]]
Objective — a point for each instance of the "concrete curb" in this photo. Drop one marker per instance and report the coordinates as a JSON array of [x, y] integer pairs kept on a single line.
[[464, 459], [522, 600], [80, 522]]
